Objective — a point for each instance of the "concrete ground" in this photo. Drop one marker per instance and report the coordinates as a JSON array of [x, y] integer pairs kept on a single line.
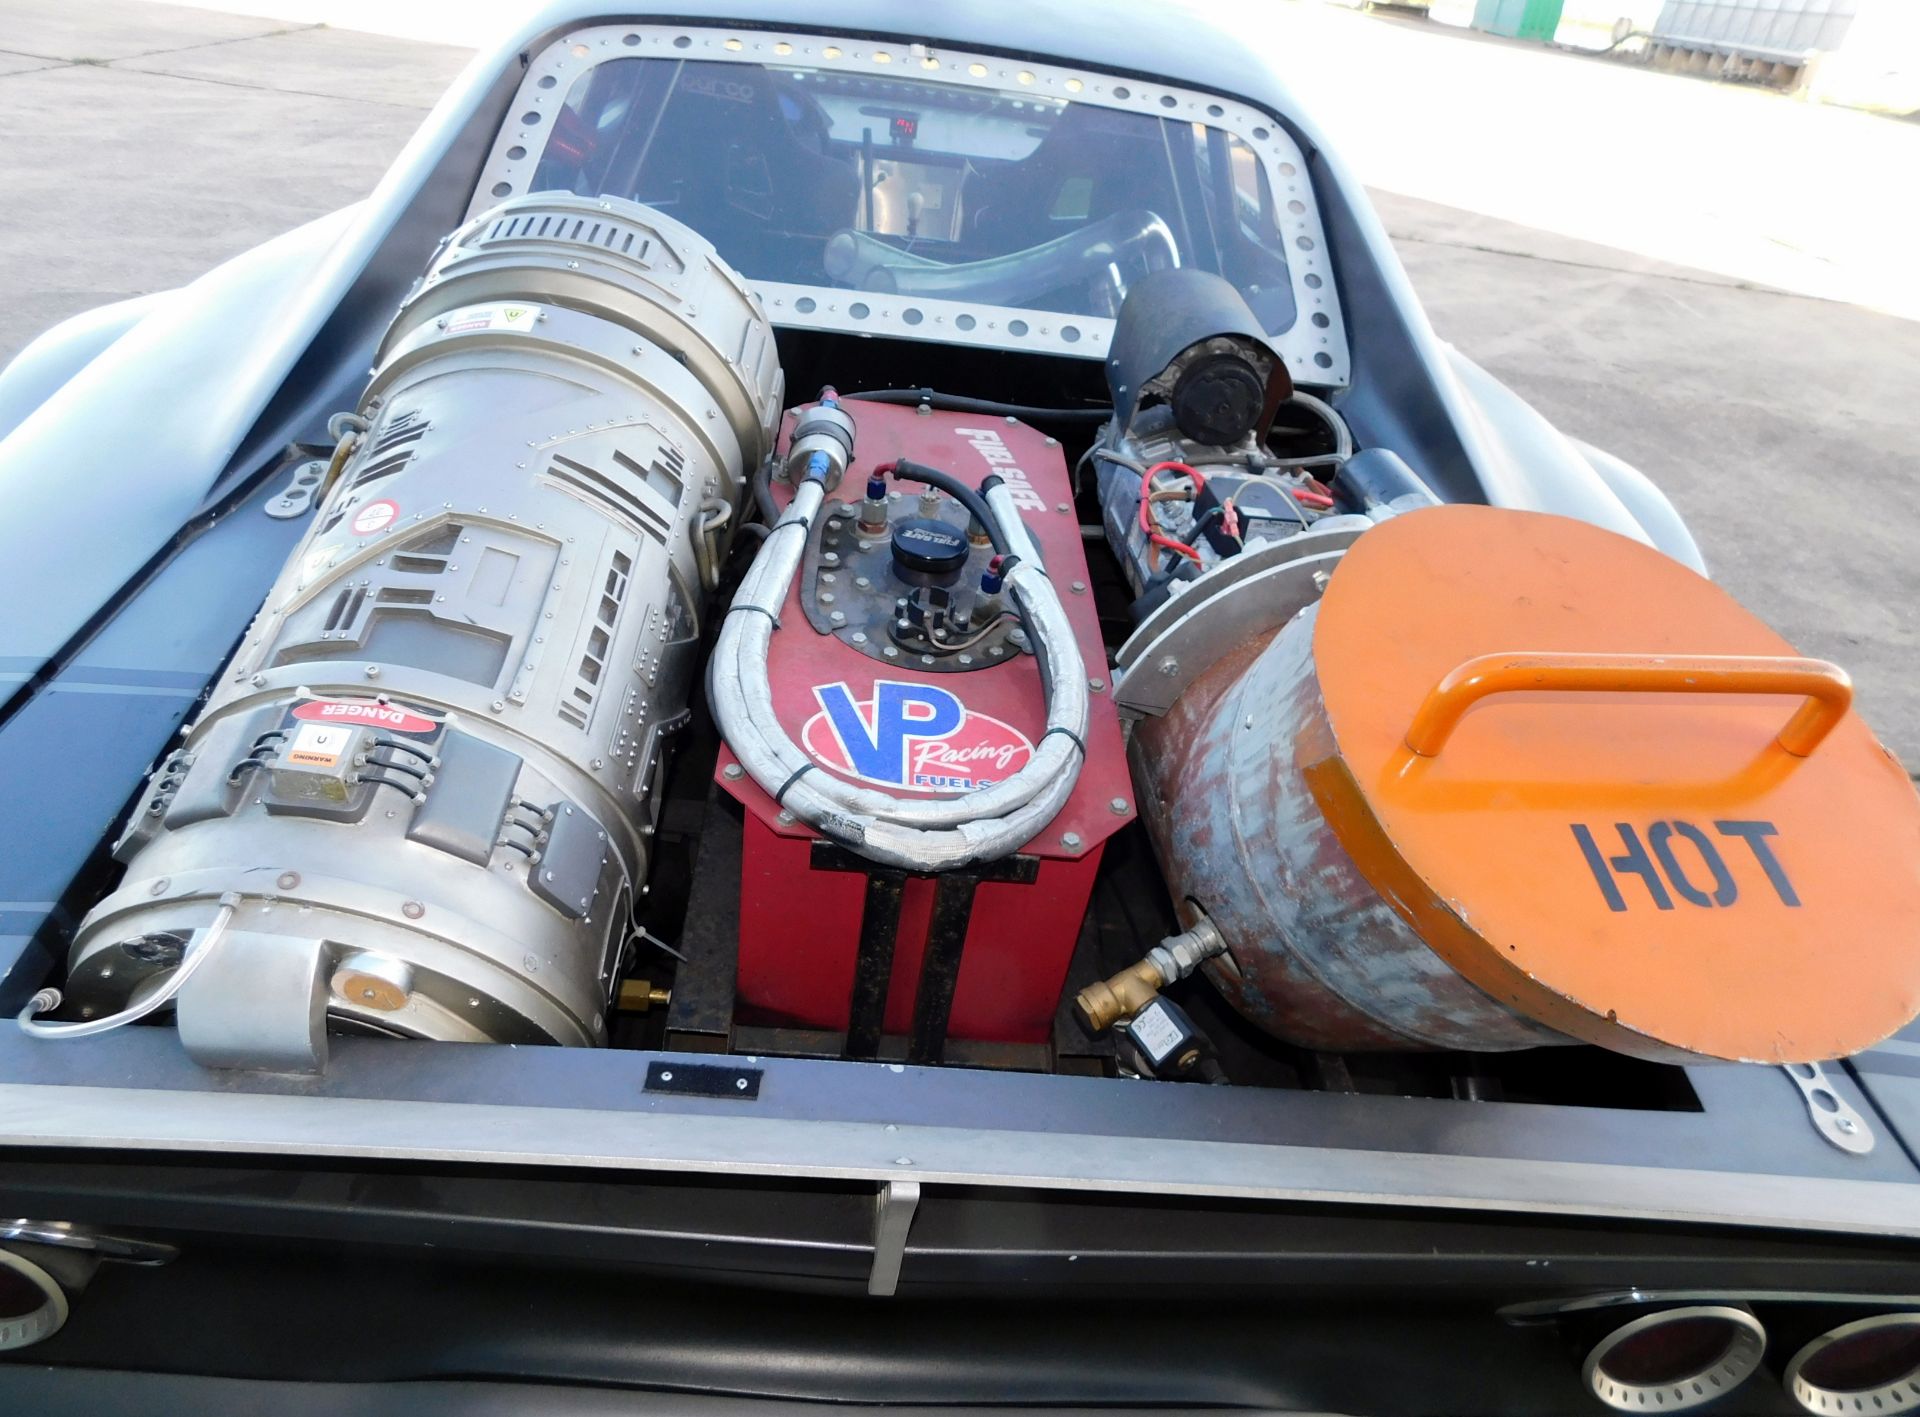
[[1716, 283]]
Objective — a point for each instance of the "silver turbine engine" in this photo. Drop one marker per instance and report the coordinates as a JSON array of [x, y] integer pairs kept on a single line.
[[425, 784]]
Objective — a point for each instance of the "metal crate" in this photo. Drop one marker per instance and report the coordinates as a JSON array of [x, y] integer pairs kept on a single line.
[[1783, 31]]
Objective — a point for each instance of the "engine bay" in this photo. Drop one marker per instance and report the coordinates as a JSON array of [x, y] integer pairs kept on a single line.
[[615, 697]]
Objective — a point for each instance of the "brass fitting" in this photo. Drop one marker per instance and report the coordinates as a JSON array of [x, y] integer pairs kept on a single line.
[[1102, 1005], [1115, 1000], [638, 995]]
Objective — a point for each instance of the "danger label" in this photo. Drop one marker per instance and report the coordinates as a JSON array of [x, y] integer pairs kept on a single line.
[[375, 516], [370, 712], [319, 745]]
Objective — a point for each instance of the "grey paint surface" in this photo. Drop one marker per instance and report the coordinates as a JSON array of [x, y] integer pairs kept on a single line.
[[1779, 425]]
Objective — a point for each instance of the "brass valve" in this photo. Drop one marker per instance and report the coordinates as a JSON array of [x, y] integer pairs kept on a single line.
[[1102, 1005], [1115, 1000]]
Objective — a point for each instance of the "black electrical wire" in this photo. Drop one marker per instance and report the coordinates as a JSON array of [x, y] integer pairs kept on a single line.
[[966, 496], [955, 403]]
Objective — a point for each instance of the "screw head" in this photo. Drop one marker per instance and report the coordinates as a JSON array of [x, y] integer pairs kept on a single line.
[[373, 671], [413, 910], [498, 705], [159, 887], [1846, 1124], [1168, 666]]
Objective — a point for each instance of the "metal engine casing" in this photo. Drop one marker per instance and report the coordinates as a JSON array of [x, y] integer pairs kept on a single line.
[[431, 769]]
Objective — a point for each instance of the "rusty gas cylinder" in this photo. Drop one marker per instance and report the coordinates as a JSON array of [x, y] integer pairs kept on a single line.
[[1517, 780]]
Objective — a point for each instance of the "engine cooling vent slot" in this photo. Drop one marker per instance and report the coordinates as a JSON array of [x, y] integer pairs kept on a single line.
[[577, 707], [428, 553], [613, 494], [615, 236]]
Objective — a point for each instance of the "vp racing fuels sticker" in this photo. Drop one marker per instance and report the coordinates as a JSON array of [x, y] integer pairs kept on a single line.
[[912, 735]]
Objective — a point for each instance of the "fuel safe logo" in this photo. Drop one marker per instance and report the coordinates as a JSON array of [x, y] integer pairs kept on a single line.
[[916, 736]]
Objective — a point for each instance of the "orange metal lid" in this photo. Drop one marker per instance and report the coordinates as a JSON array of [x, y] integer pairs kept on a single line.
[[1643, 851]]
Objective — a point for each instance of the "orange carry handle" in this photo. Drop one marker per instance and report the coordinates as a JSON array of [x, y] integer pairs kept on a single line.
[[1827, 690]]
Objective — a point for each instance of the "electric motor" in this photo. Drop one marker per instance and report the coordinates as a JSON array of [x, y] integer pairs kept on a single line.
[[429, 774]]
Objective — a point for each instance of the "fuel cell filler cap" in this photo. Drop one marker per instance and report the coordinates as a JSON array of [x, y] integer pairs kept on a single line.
[[929, 552]]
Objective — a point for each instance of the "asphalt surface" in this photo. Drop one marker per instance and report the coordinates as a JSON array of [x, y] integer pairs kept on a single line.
[[1606, 240]]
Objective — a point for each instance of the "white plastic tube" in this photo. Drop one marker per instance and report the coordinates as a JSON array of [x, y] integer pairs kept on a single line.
[[196, 954]]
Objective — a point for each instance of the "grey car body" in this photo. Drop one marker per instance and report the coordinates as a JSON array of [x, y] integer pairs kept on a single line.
[[139, 443]]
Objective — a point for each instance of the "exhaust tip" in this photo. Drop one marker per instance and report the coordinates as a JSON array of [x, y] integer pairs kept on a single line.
[[1674, 1359], [1868, 1366], [32, 1305]]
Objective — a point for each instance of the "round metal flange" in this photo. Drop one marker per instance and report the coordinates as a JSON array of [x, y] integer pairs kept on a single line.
[[1886, 1352], [1610, 1377], [32, 1304]]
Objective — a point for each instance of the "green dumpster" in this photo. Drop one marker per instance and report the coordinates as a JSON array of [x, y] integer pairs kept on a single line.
[[1518, 19]]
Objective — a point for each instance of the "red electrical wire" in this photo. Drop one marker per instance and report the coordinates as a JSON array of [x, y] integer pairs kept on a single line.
[[1154, 534]]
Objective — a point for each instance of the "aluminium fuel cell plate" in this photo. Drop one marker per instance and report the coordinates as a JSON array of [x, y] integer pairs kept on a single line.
[[1650, 871]]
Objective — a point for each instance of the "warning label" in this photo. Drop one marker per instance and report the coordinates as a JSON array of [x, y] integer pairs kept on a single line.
[[319, 745], [519, 318], [375, 516], [370, 712]]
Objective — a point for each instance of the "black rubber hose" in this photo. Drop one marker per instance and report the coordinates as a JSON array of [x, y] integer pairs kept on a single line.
[[954, 403], [961, 493], [763, 492]]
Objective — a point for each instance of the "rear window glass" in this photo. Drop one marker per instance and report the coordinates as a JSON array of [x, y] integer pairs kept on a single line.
[[914, 187]]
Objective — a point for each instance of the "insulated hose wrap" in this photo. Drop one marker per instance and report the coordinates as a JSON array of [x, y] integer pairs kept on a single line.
[[913, 833]]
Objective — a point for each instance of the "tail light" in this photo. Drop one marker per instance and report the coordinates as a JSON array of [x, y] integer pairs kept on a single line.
[[1675, 1358], [1870, 1365]]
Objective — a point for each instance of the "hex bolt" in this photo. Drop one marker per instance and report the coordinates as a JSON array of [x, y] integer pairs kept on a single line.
[[839, 617], [859, 637], [1096, 684], [733, 772], [1119, 806], [1079, 587], [786, 818], [1071, 840]]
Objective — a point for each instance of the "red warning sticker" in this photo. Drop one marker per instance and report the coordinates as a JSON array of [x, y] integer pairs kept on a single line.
[[371, 712], [375, 516]]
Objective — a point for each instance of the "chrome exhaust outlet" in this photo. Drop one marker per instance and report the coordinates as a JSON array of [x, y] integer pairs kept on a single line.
[[1674, 1359], [1867, 1366]]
